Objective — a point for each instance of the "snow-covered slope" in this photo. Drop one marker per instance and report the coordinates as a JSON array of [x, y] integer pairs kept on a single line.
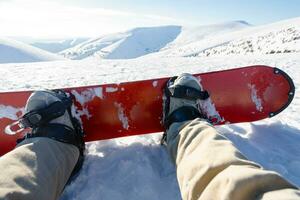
[[16, 52], [280, 37], [142, 41], [56, 46], [130, 44], [285, 40], [139, 167], [190, 35]]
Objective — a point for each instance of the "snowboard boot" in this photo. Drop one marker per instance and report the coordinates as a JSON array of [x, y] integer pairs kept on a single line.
[[181, 101], [48, 114]]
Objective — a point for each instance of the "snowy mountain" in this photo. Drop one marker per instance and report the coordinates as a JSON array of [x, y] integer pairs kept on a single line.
[[191, 35], [130, 44], [237, 37], [139, 167], [56, 46], [12, 51], [280, 37], [142, 41]]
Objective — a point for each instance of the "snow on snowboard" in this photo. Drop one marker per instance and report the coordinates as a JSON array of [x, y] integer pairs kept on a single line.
[[116, 110]]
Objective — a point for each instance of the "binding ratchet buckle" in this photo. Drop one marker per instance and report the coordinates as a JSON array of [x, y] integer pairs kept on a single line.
[[14, 128], [37, 118]]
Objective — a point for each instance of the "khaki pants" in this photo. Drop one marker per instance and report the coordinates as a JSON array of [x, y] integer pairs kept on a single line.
[[210, 167], [36, 170]]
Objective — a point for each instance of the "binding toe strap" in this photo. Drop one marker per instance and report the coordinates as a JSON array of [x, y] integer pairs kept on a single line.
[[182, 114]]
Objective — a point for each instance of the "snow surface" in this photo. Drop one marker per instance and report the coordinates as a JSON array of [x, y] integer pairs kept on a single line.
[[56, 46], [138, 167], [12, 51]]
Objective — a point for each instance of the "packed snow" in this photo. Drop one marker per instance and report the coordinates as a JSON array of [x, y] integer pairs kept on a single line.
[[139, 167], [12, 51]]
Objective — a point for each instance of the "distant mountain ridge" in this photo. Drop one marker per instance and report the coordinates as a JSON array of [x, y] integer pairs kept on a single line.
[[146, 40], [131, 44], [12, 51], [55, 46], [279, 37], [228, 38]]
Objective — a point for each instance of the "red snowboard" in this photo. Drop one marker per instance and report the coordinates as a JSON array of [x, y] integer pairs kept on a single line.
[[116, 110]]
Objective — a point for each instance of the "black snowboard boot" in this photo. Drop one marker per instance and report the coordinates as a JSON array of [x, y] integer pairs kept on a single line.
[[181, 101], [48, 114]]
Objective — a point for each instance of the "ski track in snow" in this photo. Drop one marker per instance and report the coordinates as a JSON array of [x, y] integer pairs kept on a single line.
[[138, 167]]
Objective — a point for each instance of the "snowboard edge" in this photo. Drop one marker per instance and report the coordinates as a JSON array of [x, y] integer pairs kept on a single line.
[[290, 94]]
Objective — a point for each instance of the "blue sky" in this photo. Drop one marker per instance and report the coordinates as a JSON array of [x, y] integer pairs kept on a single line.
[[63, 18], [205, 11]]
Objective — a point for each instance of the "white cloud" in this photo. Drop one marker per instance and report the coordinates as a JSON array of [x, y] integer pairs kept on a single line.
[[40, 18]]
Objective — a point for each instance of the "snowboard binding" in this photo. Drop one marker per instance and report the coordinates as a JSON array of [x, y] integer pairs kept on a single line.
[[48, 114], [181, 100]]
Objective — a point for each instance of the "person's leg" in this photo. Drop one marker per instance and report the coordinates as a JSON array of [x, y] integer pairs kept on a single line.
[[45, 159], [208, 165], [38, 168]]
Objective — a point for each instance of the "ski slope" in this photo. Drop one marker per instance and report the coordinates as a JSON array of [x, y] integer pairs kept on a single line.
[[12, 51], [138, 167]]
